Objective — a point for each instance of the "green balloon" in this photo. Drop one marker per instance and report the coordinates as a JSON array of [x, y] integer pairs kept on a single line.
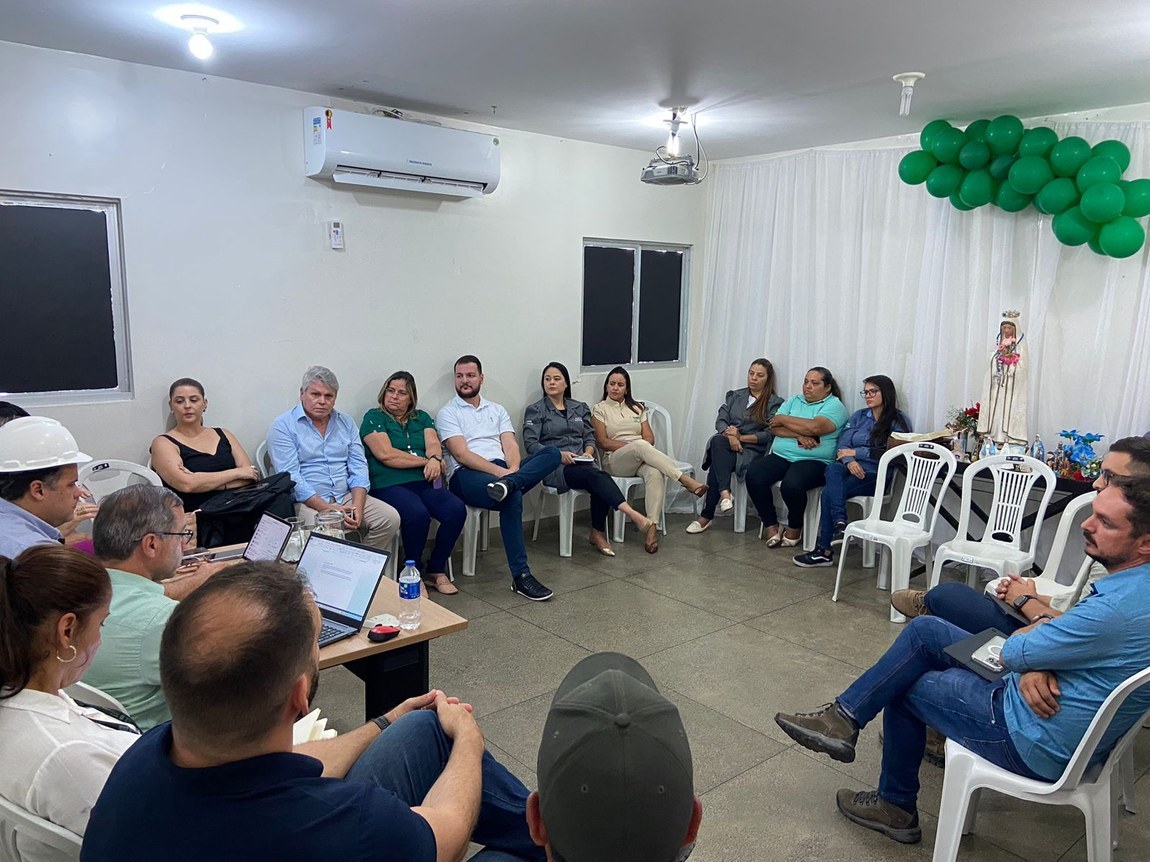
[[947, 144], [1004, 134], [1072, 227], [1057, 196], [976, 131], [958, 203], [1098, 169], [1113, 150], [1001, 165], [1121, 237], [977, 189], [1037, 142], [1029, 174], [929, 131], [1008, 200], [915, 167], [944, 181], [1137, 194], [973, 155], [1102, 203], [1068, 155], [1095, 246]]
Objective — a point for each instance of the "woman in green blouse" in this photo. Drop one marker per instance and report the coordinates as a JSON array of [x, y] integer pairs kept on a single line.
[[405, 462]]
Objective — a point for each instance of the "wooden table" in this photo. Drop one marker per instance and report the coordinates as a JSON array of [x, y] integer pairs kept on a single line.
[[399, 668]]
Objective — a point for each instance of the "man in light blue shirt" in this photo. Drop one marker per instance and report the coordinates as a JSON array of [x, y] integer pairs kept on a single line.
[[321, 449], [1031, 720], [39, 462]]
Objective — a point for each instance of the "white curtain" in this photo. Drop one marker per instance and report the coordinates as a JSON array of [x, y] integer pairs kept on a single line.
[[826, 258]]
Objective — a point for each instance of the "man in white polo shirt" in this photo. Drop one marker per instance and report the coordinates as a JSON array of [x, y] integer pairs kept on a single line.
[[489, 472]]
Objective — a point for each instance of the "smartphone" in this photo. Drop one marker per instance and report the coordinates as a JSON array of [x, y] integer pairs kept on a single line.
[[989, 655]]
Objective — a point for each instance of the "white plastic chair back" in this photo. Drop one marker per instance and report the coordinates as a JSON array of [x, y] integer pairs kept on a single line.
[[924, 464], [660, 421], [93, 696], [1066, 523], [13, 817], [1013, 476], [263, 460], [104, 477]]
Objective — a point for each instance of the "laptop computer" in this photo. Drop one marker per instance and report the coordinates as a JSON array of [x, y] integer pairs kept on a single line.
[[267, 542], [344, 577]]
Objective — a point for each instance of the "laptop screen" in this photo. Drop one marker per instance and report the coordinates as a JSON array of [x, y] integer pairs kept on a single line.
[[268, 540], [343, 575]]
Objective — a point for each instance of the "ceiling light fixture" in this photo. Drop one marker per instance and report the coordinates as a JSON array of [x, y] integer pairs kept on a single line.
[[678, 118], [199, 43], [908, 80]]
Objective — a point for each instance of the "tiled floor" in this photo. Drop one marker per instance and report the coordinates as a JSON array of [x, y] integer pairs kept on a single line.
[[732, 632]]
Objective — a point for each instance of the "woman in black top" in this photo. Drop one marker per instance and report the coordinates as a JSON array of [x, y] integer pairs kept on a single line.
[[195, 461]]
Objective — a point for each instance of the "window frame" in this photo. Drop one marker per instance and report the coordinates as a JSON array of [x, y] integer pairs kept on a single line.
[[638, 248], [112, 210]]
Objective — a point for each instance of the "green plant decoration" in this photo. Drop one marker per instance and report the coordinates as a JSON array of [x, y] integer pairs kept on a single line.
[[1002, 163]]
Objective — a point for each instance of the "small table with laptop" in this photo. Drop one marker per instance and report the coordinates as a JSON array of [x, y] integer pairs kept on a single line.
[[349, 585]]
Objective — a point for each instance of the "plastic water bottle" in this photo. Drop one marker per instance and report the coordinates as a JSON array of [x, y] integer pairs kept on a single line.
[[410, 614]]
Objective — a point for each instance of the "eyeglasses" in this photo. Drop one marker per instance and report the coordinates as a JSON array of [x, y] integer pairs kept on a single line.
[[869, 393], [1109, 477], [185, 535]]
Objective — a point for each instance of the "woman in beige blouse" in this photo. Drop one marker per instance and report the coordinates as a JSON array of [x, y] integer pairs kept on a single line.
[[627, 444]]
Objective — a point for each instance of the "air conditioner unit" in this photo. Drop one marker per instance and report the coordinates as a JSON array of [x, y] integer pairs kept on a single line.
[[385, 153]]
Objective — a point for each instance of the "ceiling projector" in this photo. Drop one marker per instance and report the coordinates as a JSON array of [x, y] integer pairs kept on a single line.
[[671, 172]]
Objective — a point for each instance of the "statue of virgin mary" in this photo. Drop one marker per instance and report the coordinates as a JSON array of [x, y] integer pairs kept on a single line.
[[1003, 413]]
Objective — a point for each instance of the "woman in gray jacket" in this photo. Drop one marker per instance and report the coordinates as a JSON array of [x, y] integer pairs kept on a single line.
[[744, 435], [558, 420]]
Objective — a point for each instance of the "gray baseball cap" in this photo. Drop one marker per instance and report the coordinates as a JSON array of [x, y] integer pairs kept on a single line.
[[614, 768]]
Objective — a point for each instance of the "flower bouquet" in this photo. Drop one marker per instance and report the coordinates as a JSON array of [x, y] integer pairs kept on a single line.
[[1076, 458], [964, 420]]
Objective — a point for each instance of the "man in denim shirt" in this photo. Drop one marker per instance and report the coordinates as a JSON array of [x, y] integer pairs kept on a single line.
[[1032, 719]]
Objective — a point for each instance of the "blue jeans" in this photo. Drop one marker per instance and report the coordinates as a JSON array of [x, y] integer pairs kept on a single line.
[[918, 685], [471, 487], [417, 503], [969, 609], [408, 758], [840, 486]]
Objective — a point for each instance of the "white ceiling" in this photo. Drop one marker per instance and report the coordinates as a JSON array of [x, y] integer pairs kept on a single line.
[[764, 76]]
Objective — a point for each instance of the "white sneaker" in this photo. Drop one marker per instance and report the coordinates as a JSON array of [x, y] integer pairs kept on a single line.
[[726, 505], [696, 527]]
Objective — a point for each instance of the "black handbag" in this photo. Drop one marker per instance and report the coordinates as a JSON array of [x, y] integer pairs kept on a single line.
[[231, 516]]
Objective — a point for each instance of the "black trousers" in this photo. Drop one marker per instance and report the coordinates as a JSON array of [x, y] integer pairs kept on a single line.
[[719, 474], [605, 494], [796, 478]]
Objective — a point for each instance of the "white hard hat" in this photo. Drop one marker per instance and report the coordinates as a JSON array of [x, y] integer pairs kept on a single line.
[[37, 443]]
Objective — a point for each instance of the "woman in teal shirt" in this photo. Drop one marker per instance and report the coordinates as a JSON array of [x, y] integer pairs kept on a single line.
[[405, 463], [806, 430]]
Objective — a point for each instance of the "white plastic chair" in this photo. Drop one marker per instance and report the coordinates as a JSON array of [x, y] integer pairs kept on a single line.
[[475, 530], [263, 460], [104, 477], [1000, 547], [912, 524], [36, 828], [566, 515], [1046, 583], [1089, 789], [741, 499]]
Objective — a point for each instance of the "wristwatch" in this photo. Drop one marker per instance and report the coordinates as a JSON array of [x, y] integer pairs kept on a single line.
[[1021, 600], [382, 722]]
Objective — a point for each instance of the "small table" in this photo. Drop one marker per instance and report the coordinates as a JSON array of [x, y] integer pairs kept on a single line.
[[399, 668]]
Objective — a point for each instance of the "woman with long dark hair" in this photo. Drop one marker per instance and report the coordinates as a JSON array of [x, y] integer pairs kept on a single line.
[[744, 435], [405, 464], [806, 430], [559, 420], [854, 471], [625, 438], [56, 753]]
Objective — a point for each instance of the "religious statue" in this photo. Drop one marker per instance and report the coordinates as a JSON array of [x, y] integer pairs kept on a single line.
[[1003, 414]]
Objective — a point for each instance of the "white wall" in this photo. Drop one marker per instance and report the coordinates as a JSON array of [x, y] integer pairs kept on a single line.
[[228, 272]]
